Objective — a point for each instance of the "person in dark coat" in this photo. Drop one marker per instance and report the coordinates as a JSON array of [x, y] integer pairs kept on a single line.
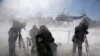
[[78, 38], [14, 32], [43, 40]]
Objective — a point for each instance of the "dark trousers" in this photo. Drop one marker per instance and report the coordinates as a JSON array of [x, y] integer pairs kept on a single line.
[[12, 49], [12, 41], [79, 46]]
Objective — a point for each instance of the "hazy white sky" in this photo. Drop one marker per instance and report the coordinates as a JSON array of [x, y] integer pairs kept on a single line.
[[27, 8]]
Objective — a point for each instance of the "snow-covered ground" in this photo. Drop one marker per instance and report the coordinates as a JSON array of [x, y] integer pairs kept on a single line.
[[61, 34]]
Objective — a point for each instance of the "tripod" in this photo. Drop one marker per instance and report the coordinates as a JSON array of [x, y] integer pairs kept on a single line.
[[87, 46]]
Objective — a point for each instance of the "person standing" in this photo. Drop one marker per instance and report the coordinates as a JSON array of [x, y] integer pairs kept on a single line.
[[33, 33], [78, 38], [14, 32]]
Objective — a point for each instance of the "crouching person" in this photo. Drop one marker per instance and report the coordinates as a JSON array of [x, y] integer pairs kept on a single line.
[[78, 38], [43, 40]]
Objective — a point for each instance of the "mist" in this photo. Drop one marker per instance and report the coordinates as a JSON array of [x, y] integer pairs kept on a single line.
[[60, 33], [44, 12], [26, 9]]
